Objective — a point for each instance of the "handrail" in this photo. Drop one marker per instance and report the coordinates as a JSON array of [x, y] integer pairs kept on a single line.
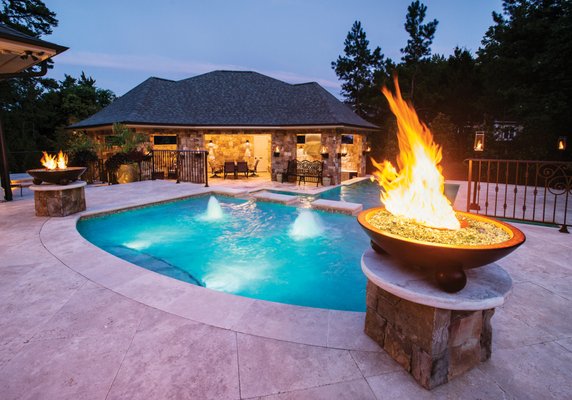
[[525, 190]]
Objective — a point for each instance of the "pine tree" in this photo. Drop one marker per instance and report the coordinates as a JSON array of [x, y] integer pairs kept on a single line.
[[421, 36], [357, 69]]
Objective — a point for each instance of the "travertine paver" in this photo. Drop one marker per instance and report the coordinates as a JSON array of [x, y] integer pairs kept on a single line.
[[93, 327]]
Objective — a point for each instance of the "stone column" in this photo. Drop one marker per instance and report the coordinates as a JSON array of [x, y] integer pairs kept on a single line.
[[286, 141], [433, 335], [332, 165]]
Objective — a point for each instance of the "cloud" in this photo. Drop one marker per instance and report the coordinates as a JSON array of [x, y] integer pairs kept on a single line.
[[157, 65]]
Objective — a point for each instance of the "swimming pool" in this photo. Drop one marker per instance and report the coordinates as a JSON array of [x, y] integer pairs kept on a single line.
[[262, 250], [365, 192]]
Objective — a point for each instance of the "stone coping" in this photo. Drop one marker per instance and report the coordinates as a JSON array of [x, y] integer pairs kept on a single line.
[[487, 286], [275, 197], [48, 187], [342, 207], [297, 324]]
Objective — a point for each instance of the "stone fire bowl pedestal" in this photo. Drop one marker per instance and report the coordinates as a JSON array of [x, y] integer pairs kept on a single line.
[[434, 335], [59, 200]]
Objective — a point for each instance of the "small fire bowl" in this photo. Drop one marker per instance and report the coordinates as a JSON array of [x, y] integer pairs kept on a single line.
[[448, 262], [56, 176]]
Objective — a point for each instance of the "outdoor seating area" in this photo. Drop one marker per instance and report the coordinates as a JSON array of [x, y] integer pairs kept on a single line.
[[304, 171], [236, 169]]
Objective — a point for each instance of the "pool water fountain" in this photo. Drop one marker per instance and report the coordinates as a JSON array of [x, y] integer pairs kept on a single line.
[[214, 210], [306, 226]]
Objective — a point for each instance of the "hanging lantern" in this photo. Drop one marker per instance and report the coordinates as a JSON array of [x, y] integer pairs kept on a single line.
[[479, 141]]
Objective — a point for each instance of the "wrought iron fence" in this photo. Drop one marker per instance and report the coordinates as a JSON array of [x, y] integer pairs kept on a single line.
[[182, 165], [535, 191]]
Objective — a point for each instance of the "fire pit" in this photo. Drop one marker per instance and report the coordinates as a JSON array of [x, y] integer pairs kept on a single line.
[[447, 261], [418, 225], [434, 332], [56, 172], [63, 195]]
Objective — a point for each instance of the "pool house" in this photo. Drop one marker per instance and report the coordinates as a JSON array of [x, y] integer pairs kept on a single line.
[[242, 116]]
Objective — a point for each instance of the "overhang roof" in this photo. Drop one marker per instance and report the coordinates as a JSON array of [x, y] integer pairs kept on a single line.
[[226, 99], [19, 51]]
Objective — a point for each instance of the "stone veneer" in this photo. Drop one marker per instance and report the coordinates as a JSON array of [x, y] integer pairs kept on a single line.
[[60, 201], [284, 139], [432, 344]]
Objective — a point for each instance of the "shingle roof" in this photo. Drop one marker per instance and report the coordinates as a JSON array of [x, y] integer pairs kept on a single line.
[[226, 98]]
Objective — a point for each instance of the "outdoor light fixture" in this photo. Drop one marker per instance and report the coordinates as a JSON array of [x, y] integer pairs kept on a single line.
[[344, 150], [479, 141], [277, 151], [367, 149], [562, 143], [324, 152]]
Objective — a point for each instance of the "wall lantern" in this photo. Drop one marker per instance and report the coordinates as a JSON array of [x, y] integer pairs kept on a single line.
[[324, 152], [277, 151], [479, 141], [367, 149], [344, 150], [562, 143]]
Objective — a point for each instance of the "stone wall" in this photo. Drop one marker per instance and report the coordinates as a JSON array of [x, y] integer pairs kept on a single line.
[[432, 344]]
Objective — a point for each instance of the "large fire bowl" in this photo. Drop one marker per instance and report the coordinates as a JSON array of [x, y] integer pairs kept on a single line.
[[447, 261], [56, 176]]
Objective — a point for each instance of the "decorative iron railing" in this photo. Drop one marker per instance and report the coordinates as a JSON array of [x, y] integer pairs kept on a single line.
[[534, 191], [182, 165]]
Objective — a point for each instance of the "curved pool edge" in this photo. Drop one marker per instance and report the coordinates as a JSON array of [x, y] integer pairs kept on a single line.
[[297, 324]]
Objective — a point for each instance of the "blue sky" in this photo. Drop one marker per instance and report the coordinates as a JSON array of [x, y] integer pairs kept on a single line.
[[121, 43]]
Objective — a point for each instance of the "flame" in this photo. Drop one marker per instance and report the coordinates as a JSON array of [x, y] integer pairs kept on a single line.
[[479, 145], [561, 145], [416, 192], [51, 162]]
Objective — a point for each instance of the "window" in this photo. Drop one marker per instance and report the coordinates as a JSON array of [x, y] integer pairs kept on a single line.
[[158, 139], [347, 139]]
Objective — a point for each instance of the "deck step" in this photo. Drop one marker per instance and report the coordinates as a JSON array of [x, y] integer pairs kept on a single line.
[[342, 207], [275, 197]]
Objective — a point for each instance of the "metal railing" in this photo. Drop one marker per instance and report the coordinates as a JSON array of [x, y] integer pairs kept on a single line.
[[182, 165], [533, 191]]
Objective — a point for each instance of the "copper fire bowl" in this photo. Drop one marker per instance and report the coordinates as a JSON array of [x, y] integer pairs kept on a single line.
[[447, 261], [56, 176]]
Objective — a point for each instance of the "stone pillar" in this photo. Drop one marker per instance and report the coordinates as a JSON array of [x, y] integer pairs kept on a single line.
[[286, 141], [59, 200], [332, 164], [432, 344], [433, 335]]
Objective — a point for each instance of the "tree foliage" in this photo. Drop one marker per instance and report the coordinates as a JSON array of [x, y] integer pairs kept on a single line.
[[521, 73], [420, 35], [357, 69], [31, 17]]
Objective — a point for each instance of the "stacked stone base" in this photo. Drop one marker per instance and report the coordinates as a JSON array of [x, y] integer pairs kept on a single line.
[[59, 202], [434, 345]]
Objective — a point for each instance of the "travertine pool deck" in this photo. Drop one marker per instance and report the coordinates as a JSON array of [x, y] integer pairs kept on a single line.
[[78, 323]]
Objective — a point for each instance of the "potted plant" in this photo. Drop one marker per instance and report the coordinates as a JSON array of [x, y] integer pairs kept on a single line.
[[125, 165]]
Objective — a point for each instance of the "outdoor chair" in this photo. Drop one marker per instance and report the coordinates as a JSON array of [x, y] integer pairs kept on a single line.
[[252, 171], [215, 168], [229, 169], [242, 167]]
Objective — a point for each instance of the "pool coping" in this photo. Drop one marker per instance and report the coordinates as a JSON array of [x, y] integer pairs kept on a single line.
[[297, 324]]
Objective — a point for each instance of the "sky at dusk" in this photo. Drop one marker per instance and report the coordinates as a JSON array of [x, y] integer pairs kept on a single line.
[[121, 43]]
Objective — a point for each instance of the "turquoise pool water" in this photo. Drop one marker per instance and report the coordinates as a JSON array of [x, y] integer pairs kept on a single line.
[[366, 193], [256, 250]]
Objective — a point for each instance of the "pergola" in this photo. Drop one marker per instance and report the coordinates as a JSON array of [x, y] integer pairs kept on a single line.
[[18, 52]]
